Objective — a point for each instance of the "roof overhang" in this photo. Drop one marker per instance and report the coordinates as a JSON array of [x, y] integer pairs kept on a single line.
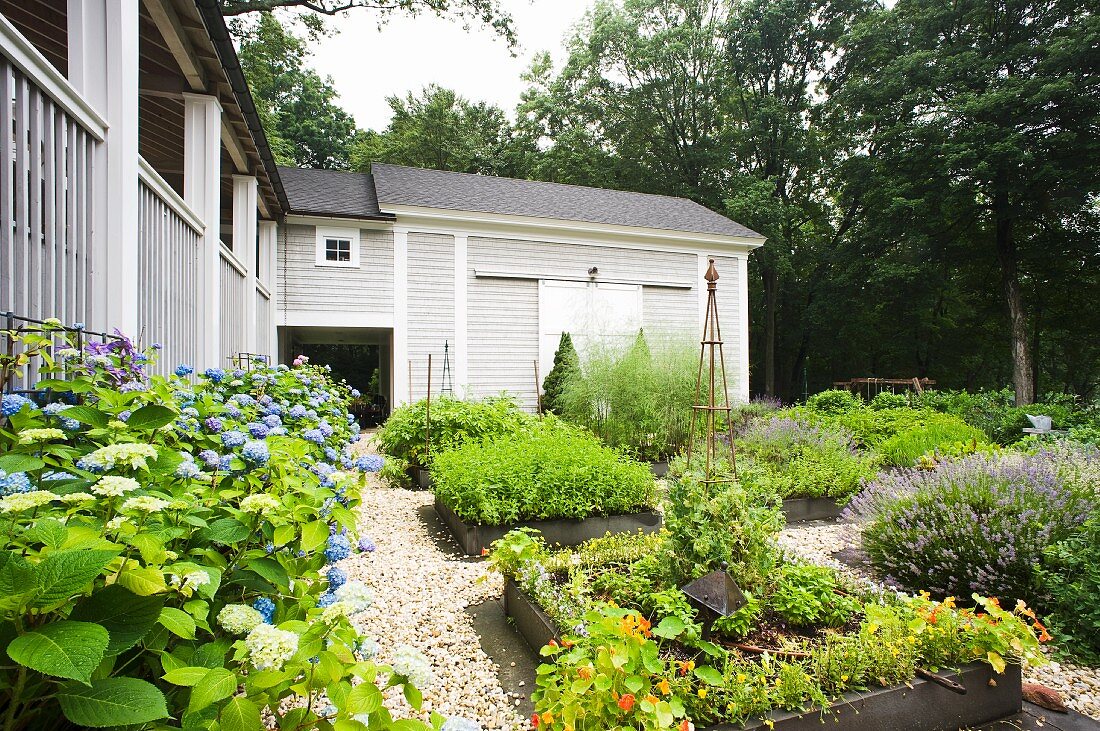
[[498, 225]]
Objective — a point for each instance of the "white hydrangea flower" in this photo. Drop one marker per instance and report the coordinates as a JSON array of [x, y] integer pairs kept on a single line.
[[259, 503], [369, 648], [145, 504], [270, 647], [116, 522], [460, 724], [334, 611], [20, 501], [239, 619], [195, 579], [411, 663], [77, 497], [129, 454], [30, 436], [115, 486], [356, 595]]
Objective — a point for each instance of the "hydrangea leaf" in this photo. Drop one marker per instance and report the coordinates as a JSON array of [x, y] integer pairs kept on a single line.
[[216, 685], [144, 581], [88, 415], [64, 649], [314, 535], [65, 573], [12, 463], [126, 616], [112, 702], [152, 416], [241, 714], [178, 622]]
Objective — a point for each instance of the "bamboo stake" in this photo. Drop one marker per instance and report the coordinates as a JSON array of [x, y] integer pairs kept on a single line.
[[538, 389], [428, 416]]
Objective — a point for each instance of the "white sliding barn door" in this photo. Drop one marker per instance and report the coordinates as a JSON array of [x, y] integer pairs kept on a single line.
[[592, 313]]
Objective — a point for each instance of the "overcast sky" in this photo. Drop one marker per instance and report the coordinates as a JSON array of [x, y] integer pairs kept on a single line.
[[367, 65]]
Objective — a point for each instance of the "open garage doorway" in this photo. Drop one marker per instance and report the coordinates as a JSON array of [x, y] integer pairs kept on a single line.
[[360, 356]]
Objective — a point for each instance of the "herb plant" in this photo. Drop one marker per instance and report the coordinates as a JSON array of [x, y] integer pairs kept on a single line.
[[453, 422]]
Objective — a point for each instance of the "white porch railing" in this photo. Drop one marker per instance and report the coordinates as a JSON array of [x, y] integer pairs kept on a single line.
[[234, 290], [170, 308], [47, 141]]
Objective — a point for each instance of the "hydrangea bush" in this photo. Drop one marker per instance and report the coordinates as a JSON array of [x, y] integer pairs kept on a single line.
[[168, 549]]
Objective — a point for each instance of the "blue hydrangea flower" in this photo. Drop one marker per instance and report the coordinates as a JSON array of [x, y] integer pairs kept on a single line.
[[232, 411], [12, 403], [296, 412], [314, 435], [217, 375], [255, 451], [213, 424], [210, 457], [277, 431], [188, 470], [257, 429], [355, 393], [238, 373], [367, 545], [184, 370], [336, 578], [225, 463], [338, 548], [273, 409], [272, 420], [243, 399], [234, 438], [13, 483], [264, 400], [266, 608], [269, 548], [331, 454], [325, 428], [369, 463], [327, 599]]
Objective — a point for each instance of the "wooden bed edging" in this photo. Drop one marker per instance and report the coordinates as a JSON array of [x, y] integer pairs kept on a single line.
[[799, 509]]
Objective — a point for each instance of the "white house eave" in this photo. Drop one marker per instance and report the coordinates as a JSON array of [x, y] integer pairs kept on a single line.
[[502, 225], [339, 222]]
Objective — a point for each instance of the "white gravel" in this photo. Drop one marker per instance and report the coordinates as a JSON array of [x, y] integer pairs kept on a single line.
[[420, 598], [816, 542]]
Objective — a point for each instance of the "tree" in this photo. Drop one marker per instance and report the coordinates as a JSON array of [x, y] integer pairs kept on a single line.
[[982, 117], [566, 365], [487, 12], [304, 124], [441, 130]]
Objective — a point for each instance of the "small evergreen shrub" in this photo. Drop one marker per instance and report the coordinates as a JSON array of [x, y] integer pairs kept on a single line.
[[979, 524], [566, 365], [550, 470], [453, 422]]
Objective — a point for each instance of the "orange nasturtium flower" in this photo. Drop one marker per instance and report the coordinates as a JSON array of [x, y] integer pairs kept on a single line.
[[534, 720], [686, 725], [626, 701], [585, 673], [687, 667], [664, 687]]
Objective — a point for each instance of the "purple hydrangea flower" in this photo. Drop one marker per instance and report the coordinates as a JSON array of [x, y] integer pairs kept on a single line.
[[213, 424], [367, 545]]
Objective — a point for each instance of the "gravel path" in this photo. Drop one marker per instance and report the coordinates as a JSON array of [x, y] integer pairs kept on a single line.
[[817, 542], [420, 597]]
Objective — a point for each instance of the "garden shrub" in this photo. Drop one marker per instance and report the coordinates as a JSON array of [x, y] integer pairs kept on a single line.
[[757, 407], [454, 422], [1069, 579], [550, 470], [793, 458], [639, 400], [885, 400], [995, 412], [168, 544], [834, 401], [977, 524], [566, 365], [936, 433], [807, 595]]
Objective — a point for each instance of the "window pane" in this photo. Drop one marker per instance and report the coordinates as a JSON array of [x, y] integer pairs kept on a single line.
[[338, 250]]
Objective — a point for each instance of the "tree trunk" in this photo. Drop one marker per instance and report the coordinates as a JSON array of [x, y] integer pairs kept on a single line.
[[771, 298], [1023, 368]]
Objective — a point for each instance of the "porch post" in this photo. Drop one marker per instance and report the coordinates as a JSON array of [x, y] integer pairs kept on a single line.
[[103, 66], [244, 245], [202, 191], [270, 279], [400, 316], [743, 327], [461, 347]]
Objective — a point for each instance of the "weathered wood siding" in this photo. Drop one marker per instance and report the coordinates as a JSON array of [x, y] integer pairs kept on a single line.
[[431, 308], [306, 287]]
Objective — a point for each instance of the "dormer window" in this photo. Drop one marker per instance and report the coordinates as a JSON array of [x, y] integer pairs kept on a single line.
[[337, 247]]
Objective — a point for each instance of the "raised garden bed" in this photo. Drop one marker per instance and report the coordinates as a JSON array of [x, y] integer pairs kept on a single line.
[[919, 705], [659, 468], [472, 538], [797, 510], [421, 477]]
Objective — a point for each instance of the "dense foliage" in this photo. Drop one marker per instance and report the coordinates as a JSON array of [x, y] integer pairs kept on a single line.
[[1070, 581], [406, 435], [980, 523], [548, 470], [168, 548], [638, 399], [566, 365]]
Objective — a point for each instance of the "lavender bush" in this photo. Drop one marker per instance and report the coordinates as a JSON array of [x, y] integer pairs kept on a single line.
[[978, 524]]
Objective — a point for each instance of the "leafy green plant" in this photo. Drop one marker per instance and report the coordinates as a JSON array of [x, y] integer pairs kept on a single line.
[[566, 365], [453, 422], [550, 470], [165, 548], [834, 401], [938, 432], [516, 548], [639, 399], [886, 400], [807, 595], [1069, 577], [743, 620]]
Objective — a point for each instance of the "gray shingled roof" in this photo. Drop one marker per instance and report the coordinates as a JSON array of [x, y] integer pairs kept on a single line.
[[362, 195], [331, 193], [400, 185]]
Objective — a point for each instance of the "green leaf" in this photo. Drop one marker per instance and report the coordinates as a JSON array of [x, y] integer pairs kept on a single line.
[[152, 416], [178, 622], [670, 627], [64, 649], [314, 535], [708, 675], [112, 702], [88, 415], [186, 676], [271, 570], [126, 616], [17, 580], [47, 531], [218, 683], [143, 581], [65, 573], [12, 463], [413, 696], [284, 534], [364, 698], [226, 531], [241, 714]]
